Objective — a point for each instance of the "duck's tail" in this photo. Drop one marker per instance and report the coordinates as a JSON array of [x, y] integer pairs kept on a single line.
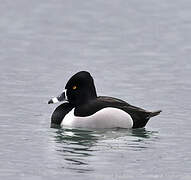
[[155, 113], [144, 116]]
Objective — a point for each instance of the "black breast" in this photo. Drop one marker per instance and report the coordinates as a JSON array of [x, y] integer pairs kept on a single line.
[[59, 114]]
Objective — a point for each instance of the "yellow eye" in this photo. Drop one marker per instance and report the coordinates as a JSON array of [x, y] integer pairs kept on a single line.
[[74, 87]]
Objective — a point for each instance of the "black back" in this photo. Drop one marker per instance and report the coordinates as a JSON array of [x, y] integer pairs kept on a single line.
[[140, 116]]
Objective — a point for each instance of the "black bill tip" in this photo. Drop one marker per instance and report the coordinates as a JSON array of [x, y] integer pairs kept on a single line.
[[50, 101]]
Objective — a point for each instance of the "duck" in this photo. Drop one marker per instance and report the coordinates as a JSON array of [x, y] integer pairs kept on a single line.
[[82, 108]]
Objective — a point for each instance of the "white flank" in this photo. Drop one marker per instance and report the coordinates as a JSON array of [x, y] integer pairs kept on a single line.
[[105, 118]]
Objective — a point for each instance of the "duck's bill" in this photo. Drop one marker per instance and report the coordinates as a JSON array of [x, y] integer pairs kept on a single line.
[[61, 97]]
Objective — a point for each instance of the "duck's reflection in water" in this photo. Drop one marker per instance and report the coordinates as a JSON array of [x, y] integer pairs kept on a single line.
[[77, 146], [74, 145]]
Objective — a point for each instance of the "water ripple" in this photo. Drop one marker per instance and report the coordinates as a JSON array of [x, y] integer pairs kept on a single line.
[[77, 146]]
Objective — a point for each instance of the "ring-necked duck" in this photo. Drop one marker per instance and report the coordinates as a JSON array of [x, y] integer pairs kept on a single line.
[[83, 108]]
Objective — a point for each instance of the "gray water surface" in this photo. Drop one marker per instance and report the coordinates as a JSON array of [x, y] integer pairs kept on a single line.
[[138, 51]]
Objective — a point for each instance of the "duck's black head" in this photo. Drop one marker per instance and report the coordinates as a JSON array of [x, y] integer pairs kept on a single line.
[[79, 89]]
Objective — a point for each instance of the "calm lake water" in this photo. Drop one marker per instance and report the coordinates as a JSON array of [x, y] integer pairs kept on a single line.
[[139, 51]]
